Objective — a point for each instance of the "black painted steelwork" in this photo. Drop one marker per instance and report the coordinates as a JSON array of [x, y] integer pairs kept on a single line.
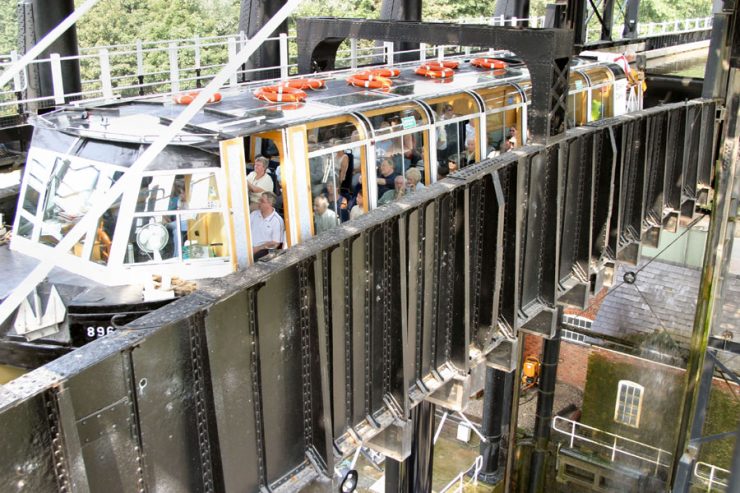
[[546, 53], [513, 8], [414, 474], [268, 377], [402, 10], [36, 18], [496, 399], [631, 18], [543, 418], [253, 15]]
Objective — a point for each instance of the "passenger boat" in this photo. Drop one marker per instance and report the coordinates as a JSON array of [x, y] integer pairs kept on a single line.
[[378, 134]]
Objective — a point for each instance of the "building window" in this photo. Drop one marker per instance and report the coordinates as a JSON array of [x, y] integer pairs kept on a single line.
[[577, 322], [629, 403], [569, 335]]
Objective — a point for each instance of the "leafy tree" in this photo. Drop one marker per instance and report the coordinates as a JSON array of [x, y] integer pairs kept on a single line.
[[8, 26]]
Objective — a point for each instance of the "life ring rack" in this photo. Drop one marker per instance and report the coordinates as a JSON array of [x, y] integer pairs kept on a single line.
[[438, 70], [488, 63], [369, 80], [280, 93], [189, 97]]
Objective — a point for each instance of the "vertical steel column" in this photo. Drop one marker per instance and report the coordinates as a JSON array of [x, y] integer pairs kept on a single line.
[[545, 400], [575, 18], [608, 17], [512, 8], [685, 467], [631, 15], [734, 484], [36, 18], [720, 44], [402, 10], [496, 400], [414, 475], [716, 261], [253, 15]]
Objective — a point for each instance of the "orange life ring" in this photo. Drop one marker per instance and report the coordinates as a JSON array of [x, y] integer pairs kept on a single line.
[[189, 97], [488, 63], [304, 84], [386, 72], [435, 70], [280, 94], [368, 80]]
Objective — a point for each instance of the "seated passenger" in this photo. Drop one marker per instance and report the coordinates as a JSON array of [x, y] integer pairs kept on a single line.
[[398, 191], [324, 218], [469, 152], [258, 182], [337, 202], [267, 227], [413, 180], [359, 208], [513, 137], [386, 177]]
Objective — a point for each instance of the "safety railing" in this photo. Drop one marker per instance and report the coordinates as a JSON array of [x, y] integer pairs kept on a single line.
[[617, 447], [500, 20], [468, 477], [675, 26], [171, 66], [712, 477]]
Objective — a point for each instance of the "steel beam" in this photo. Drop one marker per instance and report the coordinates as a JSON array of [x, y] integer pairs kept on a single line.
[[496, 399], [546, 52], [402, 10], [631, 18], [252, 17], [37, 18], [510, 9]]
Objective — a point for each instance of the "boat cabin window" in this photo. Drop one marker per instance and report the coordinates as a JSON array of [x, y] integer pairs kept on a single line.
[[335, 163], [457, 129], [602, 88], [577, 99], [401, 145], [504, 116], [178, 216]]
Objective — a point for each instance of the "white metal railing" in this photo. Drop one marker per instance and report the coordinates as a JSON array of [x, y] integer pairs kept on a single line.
[[712, 476], [500, 20], [615, 445], [168, 66], [675, 26], [462, 480]]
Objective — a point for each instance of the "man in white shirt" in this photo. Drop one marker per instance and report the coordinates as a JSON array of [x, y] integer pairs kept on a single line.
[[258, 181], [266, 225]]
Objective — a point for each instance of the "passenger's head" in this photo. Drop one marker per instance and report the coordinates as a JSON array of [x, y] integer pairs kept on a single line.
[[470, 145], [267, 202], [413, 176], [320, 204], [260, 165], [512, 132], [447, 109], [630, 55], [359, 199], [331, 188], [399, 183], [386, 167], [452, 163]]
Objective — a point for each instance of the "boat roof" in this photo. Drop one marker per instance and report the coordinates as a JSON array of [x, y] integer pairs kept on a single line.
[[239, 113]]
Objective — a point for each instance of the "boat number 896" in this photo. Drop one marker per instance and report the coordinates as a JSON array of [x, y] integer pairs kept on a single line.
[[100, 331]]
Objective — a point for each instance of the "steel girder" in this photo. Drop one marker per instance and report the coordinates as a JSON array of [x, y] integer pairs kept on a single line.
[[266, 379], [546, 53]]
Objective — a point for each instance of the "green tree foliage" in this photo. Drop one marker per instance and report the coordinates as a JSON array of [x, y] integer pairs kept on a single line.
[[8, 26]]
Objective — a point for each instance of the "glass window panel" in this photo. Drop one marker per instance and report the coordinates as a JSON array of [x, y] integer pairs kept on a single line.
[[52, 140], [178, 192], [396, 119], [25, 228], [73, 189], [31, 200], [118, 153]]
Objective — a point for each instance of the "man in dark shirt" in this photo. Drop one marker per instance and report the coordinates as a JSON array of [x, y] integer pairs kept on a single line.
[[386, 177]]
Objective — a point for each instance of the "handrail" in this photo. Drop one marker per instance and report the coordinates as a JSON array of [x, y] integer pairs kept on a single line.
[[711, 478], [613, 445], [459, 480]]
